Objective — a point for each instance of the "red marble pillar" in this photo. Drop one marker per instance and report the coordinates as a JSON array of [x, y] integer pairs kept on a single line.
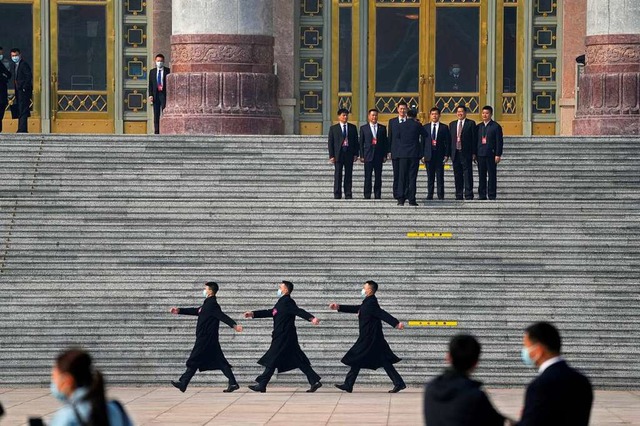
[[609, 97], [221, 84]]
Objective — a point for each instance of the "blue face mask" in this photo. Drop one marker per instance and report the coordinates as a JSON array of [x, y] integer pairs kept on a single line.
[[279, 293], [1, 56], [363, 293], [204, 293], [526, 358], [15, 59], [56, 392]]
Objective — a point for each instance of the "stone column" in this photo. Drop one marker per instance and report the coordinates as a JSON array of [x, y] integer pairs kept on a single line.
[[609, 97], [222, 79]]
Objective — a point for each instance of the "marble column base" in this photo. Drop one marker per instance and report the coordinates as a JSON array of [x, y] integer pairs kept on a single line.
[[221, 84], [609, 97]]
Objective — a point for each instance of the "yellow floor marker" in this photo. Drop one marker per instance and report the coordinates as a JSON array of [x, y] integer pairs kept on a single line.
[[416, 323], [446, 167], [429, 235]]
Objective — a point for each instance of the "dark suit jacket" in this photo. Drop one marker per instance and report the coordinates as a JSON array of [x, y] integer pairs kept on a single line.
[[408, 139], [493, 132], [392, 134], [368, 150], [558, 396], [443, 142], [153, 82], [335, 141], [5, 77], [24, 77], [467, 138]]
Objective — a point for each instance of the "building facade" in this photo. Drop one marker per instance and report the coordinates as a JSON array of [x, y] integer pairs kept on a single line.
[[91, 58]]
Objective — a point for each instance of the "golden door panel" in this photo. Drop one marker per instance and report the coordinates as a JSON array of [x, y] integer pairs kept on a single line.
[[82, 77]]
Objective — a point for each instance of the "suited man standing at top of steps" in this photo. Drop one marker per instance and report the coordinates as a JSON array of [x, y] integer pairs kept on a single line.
[[23, 87], [489, 154], [158, 90], [5, 76], [394, 143], [343, 152], [373, 153]]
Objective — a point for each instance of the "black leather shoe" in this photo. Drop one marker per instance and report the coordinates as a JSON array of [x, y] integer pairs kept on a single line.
[[413, 203], [348, 197], [257, 388], [400, 202], [458, 198], [232, 388], [398, 388], [429, 197], [179, 385], [344, 388], [314, 387]]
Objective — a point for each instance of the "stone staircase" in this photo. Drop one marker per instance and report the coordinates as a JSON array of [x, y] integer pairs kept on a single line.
[[102, 234]]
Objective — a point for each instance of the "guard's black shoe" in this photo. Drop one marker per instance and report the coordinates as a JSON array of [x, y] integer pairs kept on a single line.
[[344, 388], [398, 388], [232, 388], [413, 203], [179, 385], [314, 387], [258, 388]]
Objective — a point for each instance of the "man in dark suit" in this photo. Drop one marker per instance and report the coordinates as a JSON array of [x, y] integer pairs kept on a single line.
[[463, 146], [438, 149], [158, 90], [285, 353], [488, 153], [371, 350], [373, 153], [5, 76], [206, 353], [453, 398], [393, 143], [23, 86], [409, 140], [559, 395], [343, 151]]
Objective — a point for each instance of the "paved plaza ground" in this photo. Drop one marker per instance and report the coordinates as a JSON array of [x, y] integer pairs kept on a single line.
[[291, 406]]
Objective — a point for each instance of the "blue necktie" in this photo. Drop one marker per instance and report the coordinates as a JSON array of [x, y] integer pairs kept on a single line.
[[159, 78], [433, 132], [344, 132]]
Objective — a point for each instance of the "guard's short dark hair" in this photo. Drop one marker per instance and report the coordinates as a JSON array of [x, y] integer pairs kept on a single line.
[[213, 286], [373, 285], [160, 55], [372, 110], [15, 50], [545, 334], [401, 103], [343, 111], [412, 113], [488, 108], [464, 351], [435, 109], [464, 108], [289, 285]]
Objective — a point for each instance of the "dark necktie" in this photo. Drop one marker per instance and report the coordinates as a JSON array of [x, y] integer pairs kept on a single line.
[[344, 132], [433, 133]]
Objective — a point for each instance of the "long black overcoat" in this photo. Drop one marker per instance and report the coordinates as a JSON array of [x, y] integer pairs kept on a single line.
[[371, 350], [284, 353], [206, 353]]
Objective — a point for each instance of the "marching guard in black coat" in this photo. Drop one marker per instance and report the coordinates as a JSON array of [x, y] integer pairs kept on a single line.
[[285, 353], [207, 354], [371, 350]]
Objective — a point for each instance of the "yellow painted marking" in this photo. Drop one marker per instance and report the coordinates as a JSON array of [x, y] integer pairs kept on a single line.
[[415, 323], [429, 235], [446, 167]]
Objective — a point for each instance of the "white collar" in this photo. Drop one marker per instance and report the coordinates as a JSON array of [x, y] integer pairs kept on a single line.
[[548, 363]]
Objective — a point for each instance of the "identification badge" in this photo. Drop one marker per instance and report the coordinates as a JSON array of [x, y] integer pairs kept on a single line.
[[484, 140], [160, 87], [374, 141], [433, 142], [345, 142], [274, 312], [459, 139]]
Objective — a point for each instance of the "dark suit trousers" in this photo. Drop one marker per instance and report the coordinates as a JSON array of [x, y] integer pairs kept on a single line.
[[347, 165], [435, 171], [487, 166], [263, 379], [393, 374], [24, 103], [3, 107], [158, 106], [407, 177], [463, 176], [373, 167], [396, 173], [191, 371]]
